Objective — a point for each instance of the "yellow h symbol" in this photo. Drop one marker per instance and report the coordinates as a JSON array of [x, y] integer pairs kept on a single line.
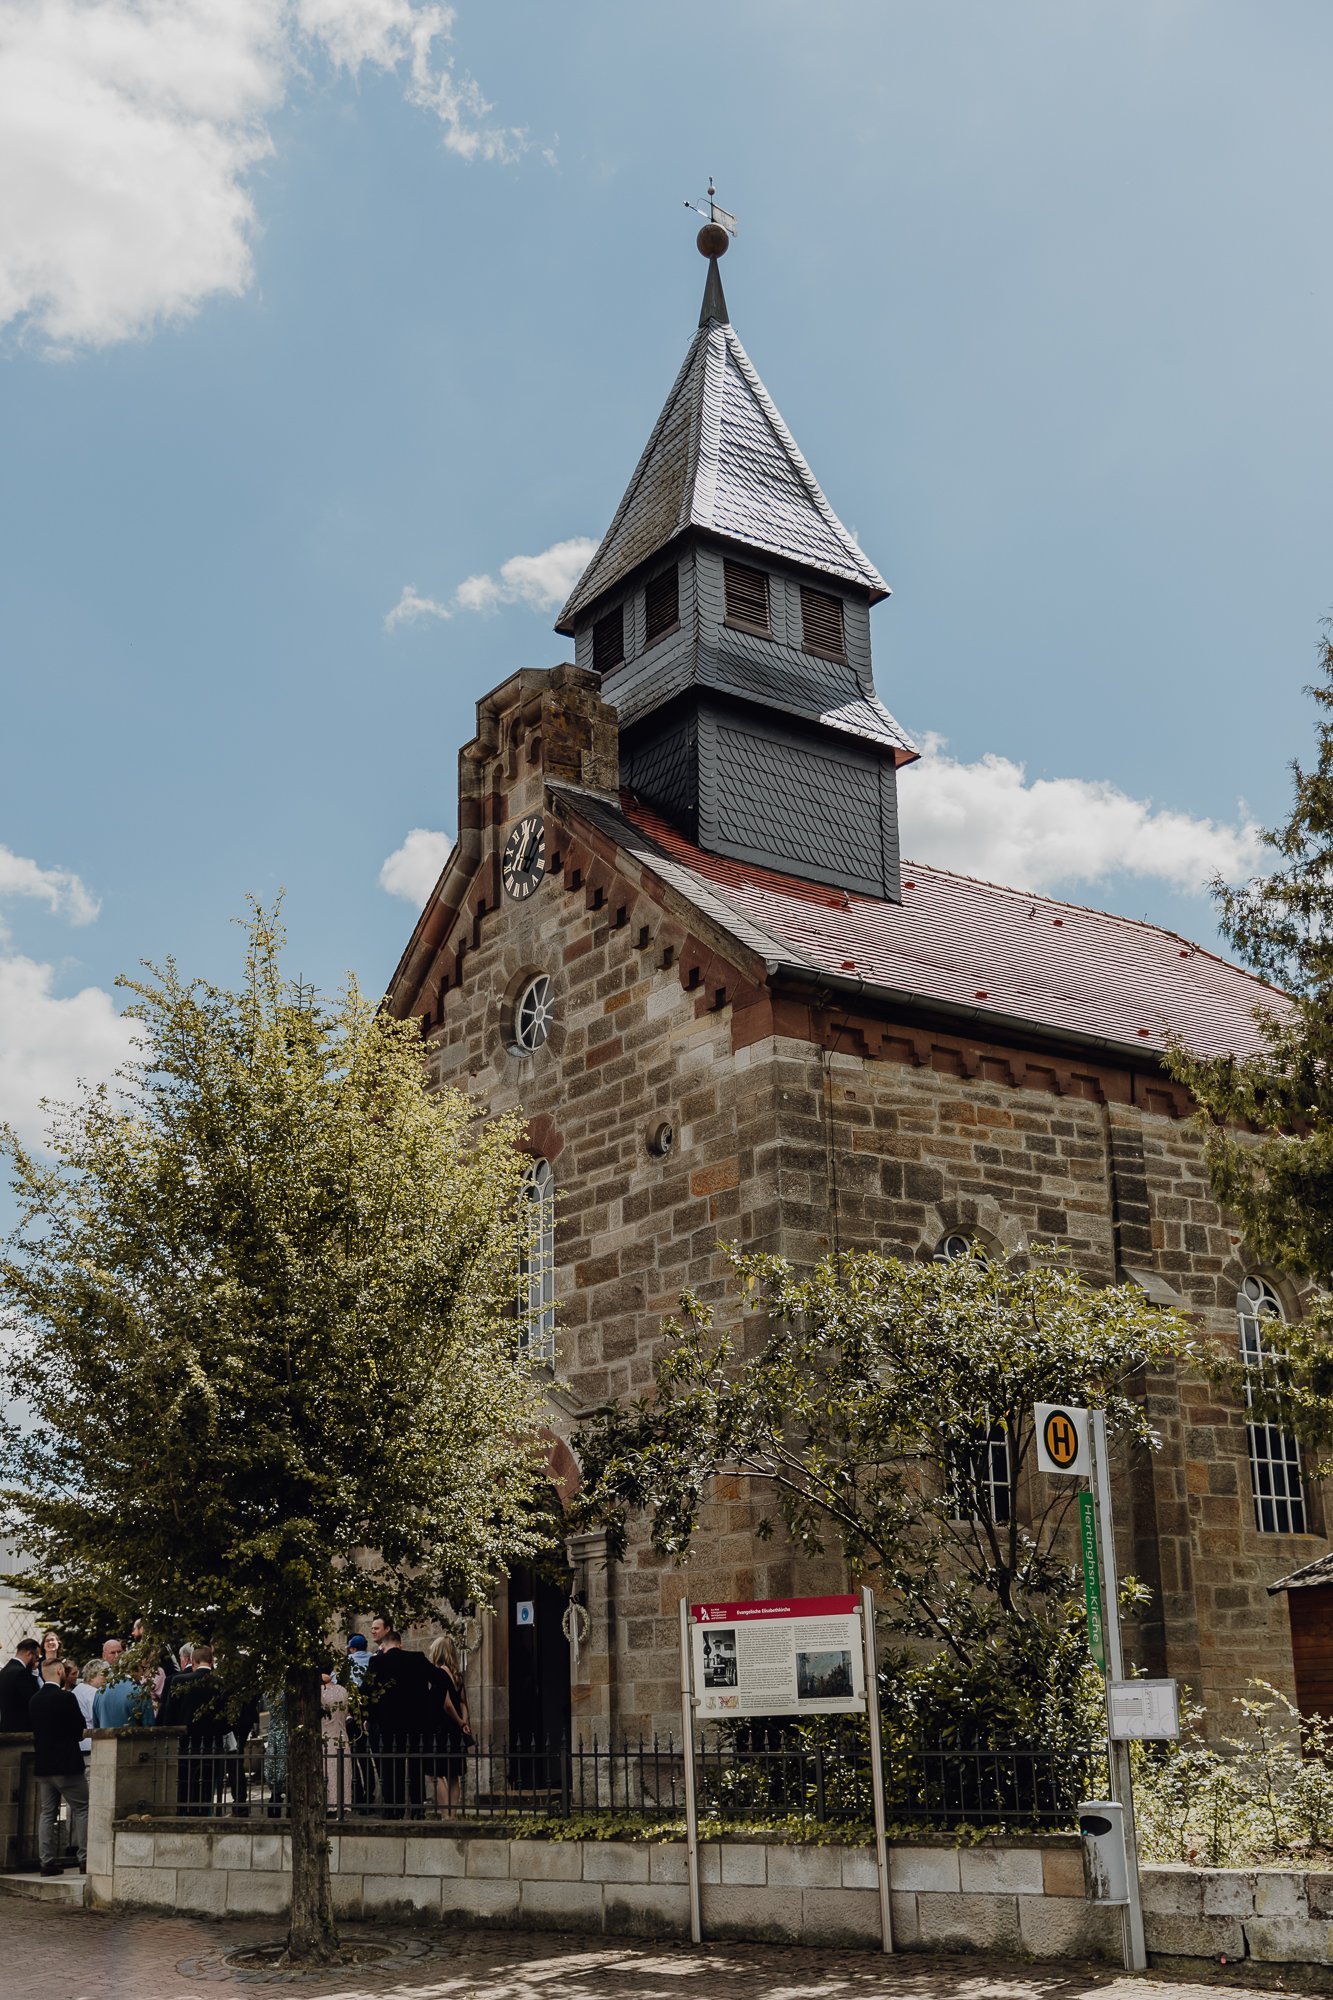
[[1061, 1438]]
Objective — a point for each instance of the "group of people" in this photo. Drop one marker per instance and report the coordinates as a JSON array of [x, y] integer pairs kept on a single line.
[[395, 1723], [414, 1726], [50, 1698]]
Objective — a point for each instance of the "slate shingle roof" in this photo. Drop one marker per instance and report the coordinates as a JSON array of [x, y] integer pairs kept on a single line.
[[968, 944], [759, 670], [720, 457], [1312, 1576], [827, 691]]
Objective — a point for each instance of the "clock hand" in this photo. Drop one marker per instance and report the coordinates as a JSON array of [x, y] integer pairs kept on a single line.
[[526, 856]]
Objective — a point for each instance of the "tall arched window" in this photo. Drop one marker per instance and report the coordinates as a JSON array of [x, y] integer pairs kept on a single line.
[[1275, 1456], [978, 1484], [536, 1263]]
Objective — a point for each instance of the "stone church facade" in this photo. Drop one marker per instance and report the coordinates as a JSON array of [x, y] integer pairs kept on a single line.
[[676, 934]]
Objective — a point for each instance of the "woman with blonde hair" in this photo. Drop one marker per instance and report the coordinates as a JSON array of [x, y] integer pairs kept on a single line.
[[453, 1730]]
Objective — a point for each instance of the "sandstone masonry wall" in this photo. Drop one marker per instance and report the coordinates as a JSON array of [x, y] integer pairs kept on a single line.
[[802, 1122]]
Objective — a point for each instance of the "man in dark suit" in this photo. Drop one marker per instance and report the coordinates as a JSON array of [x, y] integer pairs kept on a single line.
[[404, 1697], [57, 1725], [196, 1701], [18, 1685]]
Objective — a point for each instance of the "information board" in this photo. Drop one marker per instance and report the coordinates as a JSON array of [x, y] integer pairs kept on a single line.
[[1144, 1711], [791, 1656]]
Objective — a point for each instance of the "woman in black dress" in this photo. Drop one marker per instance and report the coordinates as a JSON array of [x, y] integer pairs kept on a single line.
[[453, 1729]]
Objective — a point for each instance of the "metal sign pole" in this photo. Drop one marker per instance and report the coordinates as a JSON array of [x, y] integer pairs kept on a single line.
[[876, 1765], [691, 1802], [1122, 1789]]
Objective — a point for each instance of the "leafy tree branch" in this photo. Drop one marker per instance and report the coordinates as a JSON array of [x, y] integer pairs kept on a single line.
[[871, 1398]]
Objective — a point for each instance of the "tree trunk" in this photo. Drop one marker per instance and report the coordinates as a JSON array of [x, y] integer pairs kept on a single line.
[[312, 1938]]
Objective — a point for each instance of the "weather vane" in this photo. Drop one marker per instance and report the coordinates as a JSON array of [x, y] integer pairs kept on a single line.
[[719, 225]]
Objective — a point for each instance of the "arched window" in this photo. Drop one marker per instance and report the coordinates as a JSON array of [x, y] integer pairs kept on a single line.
[[955, 1244], [1275, 1456], [534, 1012], [536, 1263], [979, 1484]]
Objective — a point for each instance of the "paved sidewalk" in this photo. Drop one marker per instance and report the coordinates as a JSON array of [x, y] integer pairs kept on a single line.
[[86, 1955]]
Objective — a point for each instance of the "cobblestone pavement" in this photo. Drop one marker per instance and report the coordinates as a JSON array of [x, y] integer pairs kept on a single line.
[[85, 1955]]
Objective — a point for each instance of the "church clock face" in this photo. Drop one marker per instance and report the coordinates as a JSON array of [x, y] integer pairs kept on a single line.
[[524, 860]]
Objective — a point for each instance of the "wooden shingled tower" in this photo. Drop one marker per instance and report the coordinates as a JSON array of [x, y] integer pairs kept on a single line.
[[727, 612]]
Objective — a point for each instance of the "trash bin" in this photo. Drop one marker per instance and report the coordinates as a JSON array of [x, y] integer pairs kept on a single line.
[[1102, 1825]]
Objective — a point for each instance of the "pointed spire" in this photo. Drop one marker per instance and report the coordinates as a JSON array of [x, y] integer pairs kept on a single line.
[[714, 240], [714, 307], [720, 458]]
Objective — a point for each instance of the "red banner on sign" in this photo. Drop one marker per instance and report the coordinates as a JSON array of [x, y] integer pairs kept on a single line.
[[781, 1607]]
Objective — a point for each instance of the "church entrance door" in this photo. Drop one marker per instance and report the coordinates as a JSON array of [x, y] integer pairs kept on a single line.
[[539, 1711]]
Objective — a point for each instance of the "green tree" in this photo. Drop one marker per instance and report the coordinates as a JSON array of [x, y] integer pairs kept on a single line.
[[866, 1403], [1267, 1117], [259, 1319]]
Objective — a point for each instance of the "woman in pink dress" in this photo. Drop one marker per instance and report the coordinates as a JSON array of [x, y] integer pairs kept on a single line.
[[333, 1728]]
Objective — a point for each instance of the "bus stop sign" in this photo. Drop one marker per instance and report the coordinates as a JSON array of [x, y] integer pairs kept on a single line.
[[1062, 1439]]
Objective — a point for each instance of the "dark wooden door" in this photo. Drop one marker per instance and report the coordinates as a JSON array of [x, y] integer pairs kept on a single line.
[[1311, 1614], [538, 1668]]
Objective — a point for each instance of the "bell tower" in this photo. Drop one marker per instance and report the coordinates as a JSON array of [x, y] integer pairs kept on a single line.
[[727, 613]]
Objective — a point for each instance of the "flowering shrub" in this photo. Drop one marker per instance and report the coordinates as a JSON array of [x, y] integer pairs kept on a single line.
[[1262, 1794]]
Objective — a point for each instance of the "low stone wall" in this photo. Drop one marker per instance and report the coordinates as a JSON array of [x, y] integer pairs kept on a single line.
[[18, 1802], [1275, 1916], [1026, 1899], [1004, 1895], [1022, 1899]]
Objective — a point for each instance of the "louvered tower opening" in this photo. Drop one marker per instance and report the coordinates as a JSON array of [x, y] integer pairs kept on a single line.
[[747, 597], [661, 604], [821, 624], [608, 641]]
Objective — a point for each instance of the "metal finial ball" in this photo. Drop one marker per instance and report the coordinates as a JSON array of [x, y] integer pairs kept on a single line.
[[713, 240]]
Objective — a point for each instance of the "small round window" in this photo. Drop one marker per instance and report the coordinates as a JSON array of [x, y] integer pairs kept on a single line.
[[533, 1013]]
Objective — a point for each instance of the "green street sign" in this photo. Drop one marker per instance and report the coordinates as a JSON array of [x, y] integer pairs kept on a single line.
[[1092, 1589]]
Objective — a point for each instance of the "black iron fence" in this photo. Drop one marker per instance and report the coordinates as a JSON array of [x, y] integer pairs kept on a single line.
[[824, 1775], [761, 1773]]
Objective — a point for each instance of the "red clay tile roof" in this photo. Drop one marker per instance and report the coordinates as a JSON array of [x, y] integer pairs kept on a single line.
[[988, 949]]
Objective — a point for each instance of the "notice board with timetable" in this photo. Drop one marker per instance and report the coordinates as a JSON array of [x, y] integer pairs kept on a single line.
[[789, 1656], [1146, 1711]]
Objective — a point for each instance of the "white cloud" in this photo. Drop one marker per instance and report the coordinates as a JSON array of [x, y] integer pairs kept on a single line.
[[413, 869], [410, 608], [394, 33], [986, 819], [50, 1044], [543, 581], [130, 131], [60, 889]]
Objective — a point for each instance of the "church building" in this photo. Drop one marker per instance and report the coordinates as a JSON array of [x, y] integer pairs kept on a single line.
[[677, 935]]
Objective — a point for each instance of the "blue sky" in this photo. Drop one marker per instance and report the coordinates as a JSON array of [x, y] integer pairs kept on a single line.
[[292, 321]]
